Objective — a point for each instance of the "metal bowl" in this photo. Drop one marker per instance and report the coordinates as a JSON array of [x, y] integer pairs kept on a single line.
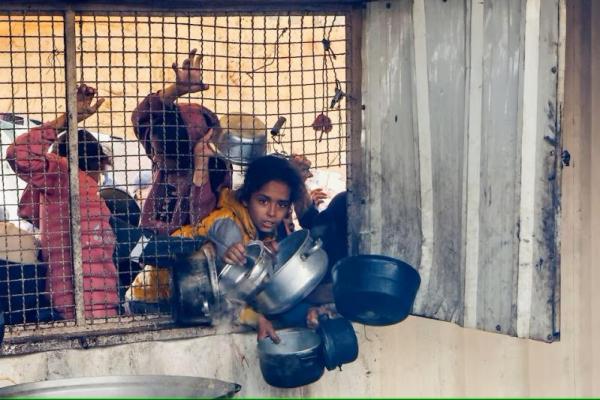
[[140, 386], [241, 139]]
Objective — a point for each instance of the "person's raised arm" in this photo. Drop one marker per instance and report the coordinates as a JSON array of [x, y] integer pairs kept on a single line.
[[157, 109], [28, 155], [188, 79]]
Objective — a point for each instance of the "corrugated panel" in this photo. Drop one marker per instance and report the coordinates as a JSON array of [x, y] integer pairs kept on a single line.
[[460, 137]]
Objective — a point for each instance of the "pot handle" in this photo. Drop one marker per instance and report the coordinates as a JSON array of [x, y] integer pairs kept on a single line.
[[313, 249]]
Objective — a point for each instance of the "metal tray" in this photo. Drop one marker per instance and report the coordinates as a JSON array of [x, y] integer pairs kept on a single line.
[[143, 386]]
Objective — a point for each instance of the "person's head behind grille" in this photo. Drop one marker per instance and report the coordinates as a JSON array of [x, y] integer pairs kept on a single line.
[[92, 156]]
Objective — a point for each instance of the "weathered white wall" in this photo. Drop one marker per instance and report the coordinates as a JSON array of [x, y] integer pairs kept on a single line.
[[422, 357], [459, 145]]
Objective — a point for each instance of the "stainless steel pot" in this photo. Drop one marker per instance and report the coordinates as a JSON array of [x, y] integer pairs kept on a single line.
[[241, 140], [243, 281], [299, 267], [295, 361]]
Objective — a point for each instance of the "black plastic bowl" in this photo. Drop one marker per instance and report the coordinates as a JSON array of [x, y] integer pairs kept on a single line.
[[373, 289]]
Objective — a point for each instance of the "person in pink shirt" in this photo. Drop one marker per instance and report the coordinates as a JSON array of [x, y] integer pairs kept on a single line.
[[45, 203]]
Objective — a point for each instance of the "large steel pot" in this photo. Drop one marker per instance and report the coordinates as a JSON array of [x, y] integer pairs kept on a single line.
[[241, 139], [295, 361], [139, 386], [243, 281], [374, 289], [299, 267]]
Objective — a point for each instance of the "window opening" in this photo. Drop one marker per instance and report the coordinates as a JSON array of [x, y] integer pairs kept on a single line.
[[288, 71]]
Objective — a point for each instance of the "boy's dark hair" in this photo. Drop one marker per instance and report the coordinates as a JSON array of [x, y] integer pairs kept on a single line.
[[91, 154], [266, 169]]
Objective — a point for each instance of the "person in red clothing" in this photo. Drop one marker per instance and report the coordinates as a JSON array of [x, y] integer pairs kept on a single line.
[[45, 203], [187, 177]]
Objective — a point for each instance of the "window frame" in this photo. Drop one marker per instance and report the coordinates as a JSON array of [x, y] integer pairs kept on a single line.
[[83, 333]]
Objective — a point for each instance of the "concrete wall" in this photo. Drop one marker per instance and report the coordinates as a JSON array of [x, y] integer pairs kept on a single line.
[[422, 357]]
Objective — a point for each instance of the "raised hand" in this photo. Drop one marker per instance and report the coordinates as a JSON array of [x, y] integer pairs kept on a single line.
[[302, 164], [85, 96], [202, 152], [188, 77], [318, 196]]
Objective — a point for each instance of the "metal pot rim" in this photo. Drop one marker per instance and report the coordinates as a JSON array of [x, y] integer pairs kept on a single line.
[[282, 333]]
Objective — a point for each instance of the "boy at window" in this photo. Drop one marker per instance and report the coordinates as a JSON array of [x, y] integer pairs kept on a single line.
[[45, 203]]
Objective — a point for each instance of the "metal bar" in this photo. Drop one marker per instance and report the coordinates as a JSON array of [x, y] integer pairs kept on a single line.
[[528, 167], [424, 143], [473, 180], [560, 97], [71, 82], [356, 173], [176, 7]]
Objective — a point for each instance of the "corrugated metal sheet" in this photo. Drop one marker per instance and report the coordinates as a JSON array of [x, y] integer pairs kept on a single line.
[[459, 143]]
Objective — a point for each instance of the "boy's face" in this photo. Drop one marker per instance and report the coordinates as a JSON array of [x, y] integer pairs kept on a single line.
[[269, 205]]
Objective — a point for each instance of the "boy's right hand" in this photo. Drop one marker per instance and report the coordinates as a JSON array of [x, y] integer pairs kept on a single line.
[[188, 78], [265, 330], [235, 254]]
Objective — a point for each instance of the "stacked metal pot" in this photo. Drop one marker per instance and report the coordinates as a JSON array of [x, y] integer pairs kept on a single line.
[[273, 284], [370, 289]]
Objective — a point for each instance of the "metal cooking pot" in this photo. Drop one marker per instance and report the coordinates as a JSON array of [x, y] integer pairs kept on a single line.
[[299, 267], [340, 345], [196, 297], [243, 281], [241, 140], [295, 361], [373, 289], [139, 386]]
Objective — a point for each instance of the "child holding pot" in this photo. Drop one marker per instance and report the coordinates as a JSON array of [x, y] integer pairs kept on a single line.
[[253, 212]]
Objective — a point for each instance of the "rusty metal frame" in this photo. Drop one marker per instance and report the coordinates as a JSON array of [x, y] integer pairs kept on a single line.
[[356, 169], [83, 333], [71, 75]]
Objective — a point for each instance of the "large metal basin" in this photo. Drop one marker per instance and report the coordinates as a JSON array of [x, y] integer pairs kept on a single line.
[[142, 386]]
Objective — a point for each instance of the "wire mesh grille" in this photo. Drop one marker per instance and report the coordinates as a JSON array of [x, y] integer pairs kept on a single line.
[[263, 66]]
